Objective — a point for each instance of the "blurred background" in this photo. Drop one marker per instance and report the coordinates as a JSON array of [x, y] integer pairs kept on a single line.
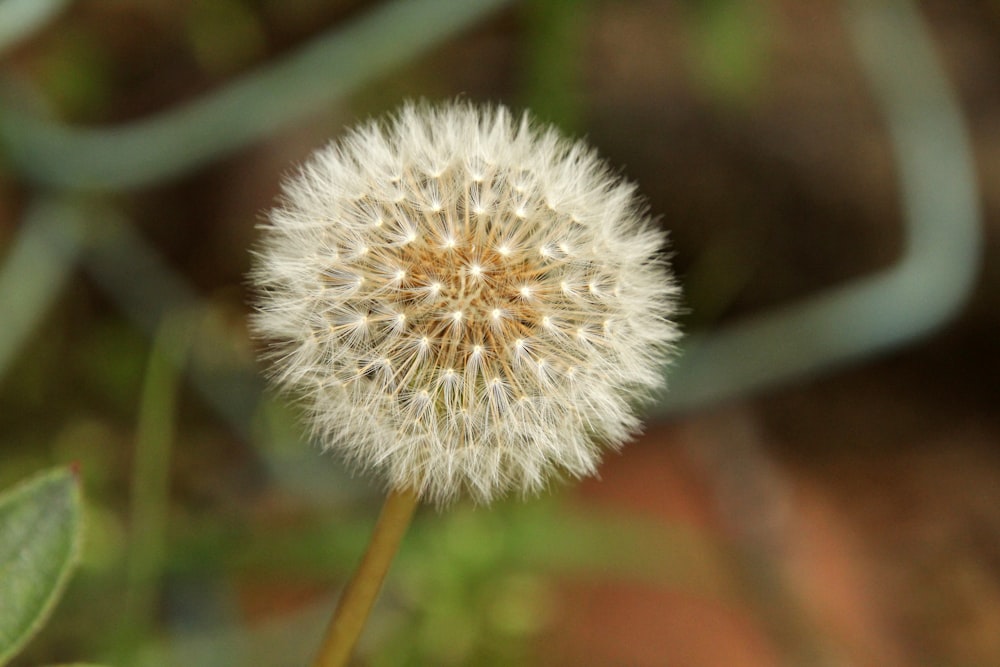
[[821, 484]]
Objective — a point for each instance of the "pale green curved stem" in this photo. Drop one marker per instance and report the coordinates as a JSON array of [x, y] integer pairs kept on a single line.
[[34, 272], [914, 297], [251, 107], [19, 19]]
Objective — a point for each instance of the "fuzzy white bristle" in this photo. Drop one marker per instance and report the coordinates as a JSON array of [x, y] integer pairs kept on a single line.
[[465, 302]]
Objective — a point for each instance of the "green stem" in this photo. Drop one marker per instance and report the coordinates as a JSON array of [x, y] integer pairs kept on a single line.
[[150, 495], [359, 596]]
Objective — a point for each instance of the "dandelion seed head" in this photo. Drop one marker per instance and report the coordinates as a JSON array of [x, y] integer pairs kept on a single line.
[[464, 301]]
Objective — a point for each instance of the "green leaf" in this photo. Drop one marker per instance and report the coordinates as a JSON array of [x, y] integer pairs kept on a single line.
[[40, 535]]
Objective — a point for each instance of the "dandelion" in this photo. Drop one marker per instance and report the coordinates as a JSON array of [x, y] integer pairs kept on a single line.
[[466, 303]]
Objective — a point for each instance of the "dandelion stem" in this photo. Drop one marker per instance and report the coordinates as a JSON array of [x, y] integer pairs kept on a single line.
[[359, 596]]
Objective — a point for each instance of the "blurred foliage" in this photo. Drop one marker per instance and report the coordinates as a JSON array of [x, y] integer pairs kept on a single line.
[[193, 569], [215, 533]]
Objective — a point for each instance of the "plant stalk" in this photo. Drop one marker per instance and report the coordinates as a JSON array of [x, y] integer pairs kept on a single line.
[[362, 590]]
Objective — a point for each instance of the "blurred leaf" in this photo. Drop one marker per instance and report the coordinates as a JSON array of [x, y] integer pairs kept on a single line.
[[40, 535]]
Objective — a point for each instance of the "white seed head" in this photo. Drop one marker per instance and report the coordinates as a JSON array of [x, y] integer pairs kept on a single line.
[[467, 303]]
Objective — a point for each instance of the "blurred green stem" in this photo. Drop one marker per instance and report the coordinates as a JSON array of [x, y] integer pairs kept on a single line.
[[150, 484], [918, 294], [249, 108], [359, 596], [36, 268], [19, 19]]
